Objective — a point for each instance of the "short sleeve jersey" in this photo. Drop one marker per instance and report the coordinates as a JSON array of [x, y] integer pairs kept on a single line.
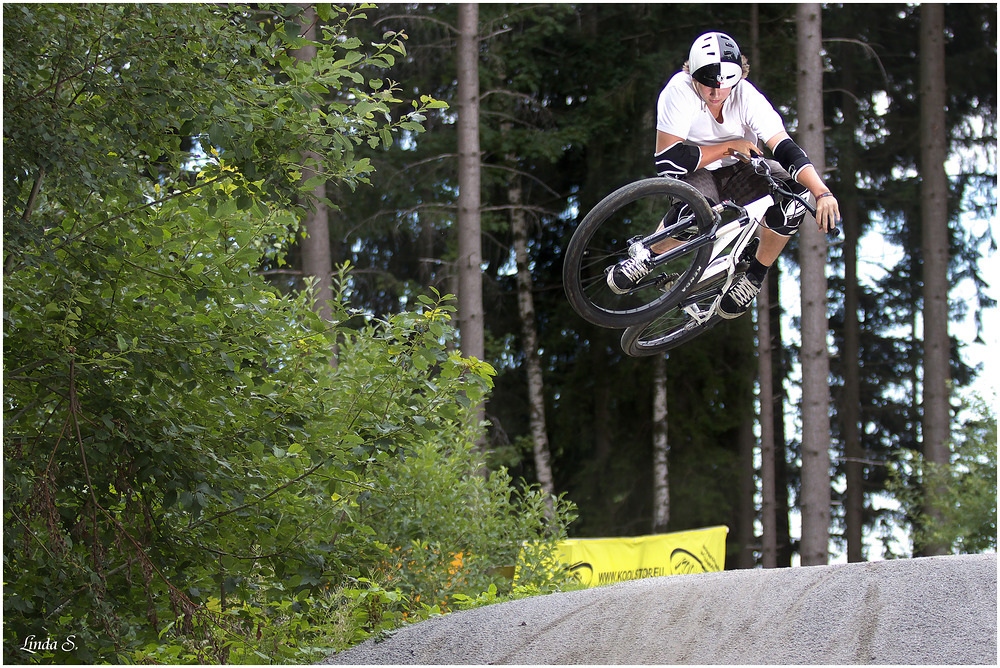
[[746, 114]]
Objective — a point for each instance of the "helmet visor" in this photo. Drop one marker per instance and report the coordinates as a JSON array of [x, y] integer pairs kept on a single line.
[[718, 75]]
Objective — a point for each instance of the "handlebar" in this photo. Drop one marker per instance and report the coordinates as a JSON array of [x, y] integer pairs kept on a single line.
[[760, 166]]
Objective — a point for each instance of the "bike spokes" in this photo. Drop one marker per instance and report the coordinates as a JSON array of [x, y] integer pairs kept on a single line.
[[622, 232], [694, 314]]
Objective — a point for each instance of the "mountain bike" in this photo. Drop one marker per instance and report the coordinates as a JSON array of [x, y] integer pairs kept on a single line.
[[707, 248]]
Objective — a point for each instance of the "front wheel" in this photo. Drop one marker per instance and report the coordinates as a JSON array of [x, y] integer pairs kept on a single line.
[[630, 214]]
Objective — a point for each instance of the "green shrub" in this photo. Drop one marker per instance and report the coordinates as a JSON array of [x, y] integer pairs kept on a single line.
[[187, 478], [963, 493]]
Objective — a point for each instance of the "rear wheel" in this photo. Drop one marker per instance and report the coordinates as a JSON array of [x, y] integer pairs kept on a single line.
[[694, 315], [630, 214]]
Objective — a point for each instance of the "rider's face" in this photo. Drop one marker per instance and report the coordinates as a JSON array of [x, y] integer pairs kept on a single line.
[[713, 96]]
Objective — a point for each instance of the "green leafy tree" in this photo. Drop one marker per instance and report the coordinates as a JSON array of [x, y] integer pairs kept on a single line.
[[964, 491], [185, 476]]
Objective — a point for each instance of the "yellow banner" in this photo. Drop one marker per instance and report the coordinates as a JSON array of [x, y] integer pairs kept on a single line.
[[599, 561]]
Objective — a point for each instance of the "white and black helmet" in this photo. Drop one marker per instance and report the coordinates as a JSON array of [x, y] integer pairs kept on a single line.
[[715, 61]]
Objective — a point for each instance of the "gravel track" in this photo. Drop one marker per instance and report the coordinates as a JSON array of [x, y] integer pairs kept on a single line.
[[935, 610]]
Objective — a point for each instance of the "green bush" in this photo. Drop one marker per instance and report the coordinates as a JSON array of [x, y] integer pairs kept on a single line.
[[963, 493], [454, 532], [187, 478]]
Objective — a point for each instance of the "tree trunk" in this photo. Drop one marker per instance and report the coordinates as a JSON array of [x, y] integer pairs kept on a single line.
[[776, 535], [934, 207], [470, 253], [746, 511], [661, 447], [317, 260], [768, 508], [814, 548], [779, 366], [766, 398], [529, 335], [850, 407]]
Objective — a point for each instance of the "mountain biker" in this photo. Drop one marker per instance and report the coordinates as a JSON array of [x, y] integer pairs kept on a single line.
[[704, 114]]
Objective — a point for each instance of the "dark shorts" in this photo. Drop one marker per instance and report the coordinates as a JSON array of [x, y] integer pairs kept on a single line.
[[742, 185]]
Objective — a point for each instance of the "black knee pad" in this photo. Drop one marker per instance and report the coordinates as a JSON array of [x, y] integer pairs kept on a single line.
[[785, 216]]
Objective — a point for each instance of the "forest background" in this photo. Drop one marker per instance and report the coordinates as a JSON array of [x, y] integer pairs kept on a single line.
[[239, 421]]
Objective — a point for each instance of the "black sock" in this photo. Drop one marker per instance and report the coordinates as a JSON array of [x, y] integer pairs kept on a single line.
[[757, 270]]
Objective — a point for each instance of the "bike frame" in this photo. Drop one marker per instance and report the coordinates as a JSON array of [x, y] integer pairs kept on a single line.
[[735, 235]]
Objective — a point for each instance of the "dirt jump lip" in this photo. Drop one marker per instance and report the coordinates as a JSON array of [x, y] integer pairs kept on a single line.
[[934, 610]]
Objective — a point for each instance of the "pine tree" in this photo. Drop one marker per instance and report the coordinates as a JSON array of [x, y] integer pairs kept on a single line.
[[934, 218], [815, 360]]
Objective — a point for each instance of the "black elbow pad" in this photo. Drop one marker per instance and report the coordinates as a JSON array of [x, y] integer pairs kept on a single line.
[[677, 160], [790, 156]]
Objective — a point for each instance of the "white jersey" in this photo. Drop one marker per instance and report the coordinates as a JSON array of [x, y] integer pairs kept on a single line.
[[746, 114]]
